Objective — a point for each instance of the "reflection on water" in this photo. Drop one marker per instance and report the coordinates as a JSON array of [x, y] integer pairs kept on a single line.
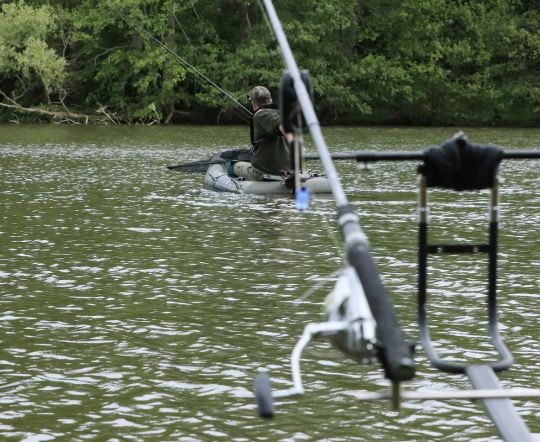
[[137, 305]]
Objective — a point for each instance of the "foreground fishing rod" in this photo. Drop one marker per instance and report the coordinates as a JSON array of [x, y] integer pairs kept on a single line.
[[188, 65], [394, 353]]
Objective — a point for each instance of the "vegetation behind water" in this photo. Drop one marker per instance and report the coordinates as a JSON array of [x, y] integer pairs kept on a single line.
[[417, 62]]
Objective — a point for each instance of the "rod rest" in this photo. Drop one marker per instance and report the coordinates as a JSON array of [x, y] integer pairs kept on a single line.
[[460, 165]]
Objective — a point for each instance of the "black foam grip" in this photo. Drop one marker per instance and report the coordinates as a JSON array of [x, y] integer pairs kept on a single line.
[[395, 354]]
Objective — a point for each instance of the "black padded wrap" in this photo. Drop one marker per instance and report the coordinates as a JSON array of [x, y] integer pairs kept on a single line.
[[460, 165], [394, 352]]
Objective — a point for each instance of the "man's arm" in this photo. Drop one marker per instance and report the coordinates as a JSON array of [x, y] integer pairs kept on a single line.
[[289, 136]]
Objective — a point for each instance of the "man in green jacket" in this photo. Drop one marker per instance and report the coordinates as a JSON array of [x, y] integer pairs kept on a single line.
[[271, 154]]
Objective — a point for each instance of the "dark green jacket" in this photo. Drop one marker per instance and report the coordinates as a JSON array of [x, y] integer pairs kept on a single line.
[[271, 152]]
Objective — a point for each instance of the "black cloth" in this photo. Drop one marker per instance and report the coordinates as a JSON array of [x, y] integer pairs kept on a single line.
[[460, 165]]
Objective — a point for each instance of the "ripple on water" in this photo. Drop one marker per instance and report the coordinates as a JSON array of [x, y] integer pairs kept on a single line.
[[137, 304]]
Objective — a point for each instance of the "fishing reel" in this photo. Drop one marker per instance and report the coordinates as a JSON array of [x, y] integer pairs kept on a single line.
[[347, 304], [350, 327]]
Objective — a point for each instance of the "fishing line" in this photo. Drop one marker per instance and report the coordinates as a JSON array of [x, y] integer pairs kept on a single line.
[[332, 276], [321, 283], [267, 21], [334, 238], [185, 63]]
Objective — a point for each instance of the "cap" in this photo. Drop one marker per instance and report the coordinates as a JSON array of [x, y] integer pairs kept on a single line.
[[259, 94]]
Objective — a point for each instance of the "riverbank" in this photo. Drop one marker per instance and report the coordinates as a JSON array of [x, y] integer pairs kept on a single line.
[[227, 117]]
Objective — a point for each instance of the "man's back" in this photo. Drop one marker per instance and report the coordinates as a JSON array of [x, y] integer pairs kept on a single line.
[[271, 152]]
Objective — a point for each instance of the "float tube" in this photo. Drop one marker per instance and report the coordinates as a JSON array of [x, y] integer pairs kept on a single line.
[[217, 178]]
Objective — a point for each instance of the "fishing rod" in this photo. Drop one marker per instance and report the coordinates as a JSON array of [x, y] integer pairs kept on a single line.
[[185, 63], [396, 354], [202, 165]]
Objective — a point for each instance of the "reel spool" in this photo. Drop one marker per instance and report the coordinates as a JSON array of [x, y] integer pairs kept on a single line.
[[347, 303]]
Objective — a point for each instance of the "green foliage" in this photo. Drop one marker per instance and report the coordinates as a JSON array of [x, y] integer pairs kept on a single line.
[[424, 62], [25, 56], [38, 57]]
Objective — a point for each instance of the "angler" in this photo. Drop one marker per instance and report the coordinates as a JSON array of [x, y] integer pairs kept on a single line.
[[271, 153]]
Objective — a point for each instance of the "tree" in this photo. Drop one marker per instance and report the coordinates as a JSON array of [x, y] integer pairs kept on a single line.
[[429, 62], [29, 68]]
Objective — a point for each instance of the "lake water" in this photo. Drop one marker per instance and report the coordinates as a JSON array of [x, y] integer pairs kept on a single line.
[[136, 305]]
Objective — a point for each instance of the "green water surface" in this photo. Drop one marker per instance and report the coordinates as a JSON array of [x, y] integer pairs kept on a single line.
[[136, 305]]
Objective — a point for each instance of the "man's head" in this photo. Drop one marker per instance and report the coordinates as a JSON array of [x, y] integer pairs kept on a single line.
[[260, 96]]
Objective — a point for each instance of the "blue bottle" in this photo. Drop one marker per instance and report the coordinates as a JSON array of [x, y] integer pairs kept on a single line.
[[302, 199]]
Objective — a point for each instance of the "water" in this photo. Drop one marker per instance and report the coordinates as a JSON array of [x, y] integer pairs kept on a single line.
[[136, 305]]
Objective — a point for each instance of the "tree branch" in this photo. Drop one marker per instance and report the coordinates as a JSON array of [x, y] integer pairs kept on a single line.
[[107, 51], [66, 116]]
